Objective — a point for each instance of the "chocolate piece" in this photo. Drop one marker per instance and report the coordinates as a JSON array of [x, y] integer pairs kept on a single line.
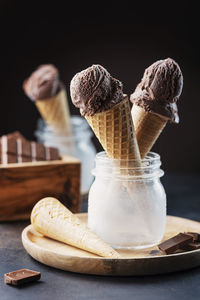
[[195, 235], [8, 145], [40, 151], [22, 159], [171, 245], [190, 246], [16, 135], [23, 148], [54, 154], [37, 151], [6, 158], [14, 148], [9, 159], [21, 276]]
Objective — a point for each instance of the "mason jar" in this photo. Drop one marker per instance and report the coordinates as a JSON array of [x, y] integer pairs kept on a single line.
[[127, 202], [78, 145]]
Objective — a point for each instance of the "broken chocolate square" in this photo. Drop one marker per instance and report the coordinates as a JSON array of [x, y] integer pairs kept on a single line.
[[175, 243], [21, 276]]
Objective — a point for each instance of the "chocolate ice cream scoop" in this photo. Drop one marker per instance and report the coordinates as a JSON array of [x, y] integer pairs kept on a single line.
[[43, 83], [160, 88], [94, 90]]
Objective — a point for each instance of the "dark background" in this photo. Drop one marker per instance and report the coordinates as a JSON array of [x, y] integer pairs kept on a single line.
[[125, 37]]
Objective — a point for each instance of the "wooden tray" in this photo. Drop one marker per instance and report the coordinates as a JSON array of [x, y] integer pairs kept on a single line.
[[138, 262]]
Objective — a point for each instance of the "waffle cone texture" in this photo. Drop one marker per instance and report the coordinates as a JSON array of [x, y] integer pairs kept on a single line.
[[115, 130], [55, 112], [148, 127], [52, 219]]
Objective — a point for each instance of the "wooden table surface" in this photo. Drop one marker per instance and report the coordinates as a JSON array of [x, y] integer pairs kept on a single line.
[[183, 200]]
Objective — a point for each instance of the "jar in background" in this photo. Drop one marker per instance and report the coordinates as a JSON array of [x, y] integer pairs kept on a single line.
[[79, 146], [127, 205]]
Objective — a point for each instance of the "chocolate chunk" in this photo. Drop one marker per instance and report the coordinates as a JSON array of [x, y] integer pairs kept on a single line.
[[40, 151], [16, 135], [14, 148], [191, 246], [21, 276], [23, 148], [8, 158], [11, 159], [54, 154], [22, 159], [195, 235], [171, 245], [194, 246], [8, 145]]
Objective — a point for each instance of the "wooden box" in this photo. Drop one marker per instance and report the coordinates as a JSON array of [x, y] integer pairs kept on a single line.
[[23, 184]]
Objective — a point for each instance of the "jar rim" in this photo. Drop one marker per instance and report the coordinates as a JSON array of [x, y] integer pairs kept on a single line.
[[150, 157], [149, 167]]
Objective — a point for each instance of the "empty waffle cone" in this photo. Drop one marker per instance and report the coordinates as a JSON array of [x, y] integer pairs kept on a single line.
[[115, 130], [54, 220], [148, 127], [55, 112]]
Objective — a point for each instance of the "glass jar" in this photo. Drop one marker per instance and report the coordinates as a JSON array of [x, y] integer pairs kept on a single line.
[[78, 145], [127, 202]]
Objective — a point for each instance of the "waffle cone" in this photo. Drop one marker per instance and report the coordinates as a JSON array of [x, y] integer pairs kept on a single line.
[[55, 112], [115, 130], [148, 127], [53, 219]]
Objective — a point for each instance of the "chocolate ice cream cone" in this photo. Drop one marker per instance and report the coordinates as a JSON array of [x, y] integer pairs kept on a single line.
[[46, 90], [55, 112], [148, 127], [115, 130], [154, 102]]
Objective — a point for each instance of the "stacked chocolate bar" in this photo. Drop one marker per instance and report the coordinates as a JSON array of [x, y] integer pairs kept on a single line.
[[14, 148], [181, 242]]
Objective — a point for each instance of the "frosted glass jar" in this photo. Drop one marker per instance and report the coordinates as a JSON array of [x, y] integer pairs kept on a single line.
[[127, 206], [79, 145]]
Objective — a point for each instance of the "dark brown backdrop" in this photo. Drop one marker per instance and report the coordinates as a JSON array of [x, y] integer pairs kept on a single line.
[[124, 38]]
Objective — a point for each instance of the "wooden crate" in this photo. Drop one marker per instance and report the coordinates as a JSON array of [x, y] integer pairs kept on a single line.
[[22, 185]]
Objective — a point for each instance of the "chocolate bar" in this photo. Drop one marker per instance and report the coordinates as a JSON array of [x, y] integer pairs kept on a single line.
[[195, 235], [22, 159], [175, 243], [7, 145], [16, 135], [8, 158], [23, 147], [14, 148], [21, 276], [38, 151], [53, 153], [191, 246]]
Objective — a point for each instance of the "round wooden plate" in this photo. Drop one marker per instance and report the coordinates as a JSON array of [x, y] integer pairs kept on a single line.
[[133, 262]]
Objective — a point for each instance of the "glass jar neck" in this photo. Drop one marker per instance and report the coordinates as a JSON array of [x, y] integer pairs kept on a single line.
[[80, 131], [147, 168]]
